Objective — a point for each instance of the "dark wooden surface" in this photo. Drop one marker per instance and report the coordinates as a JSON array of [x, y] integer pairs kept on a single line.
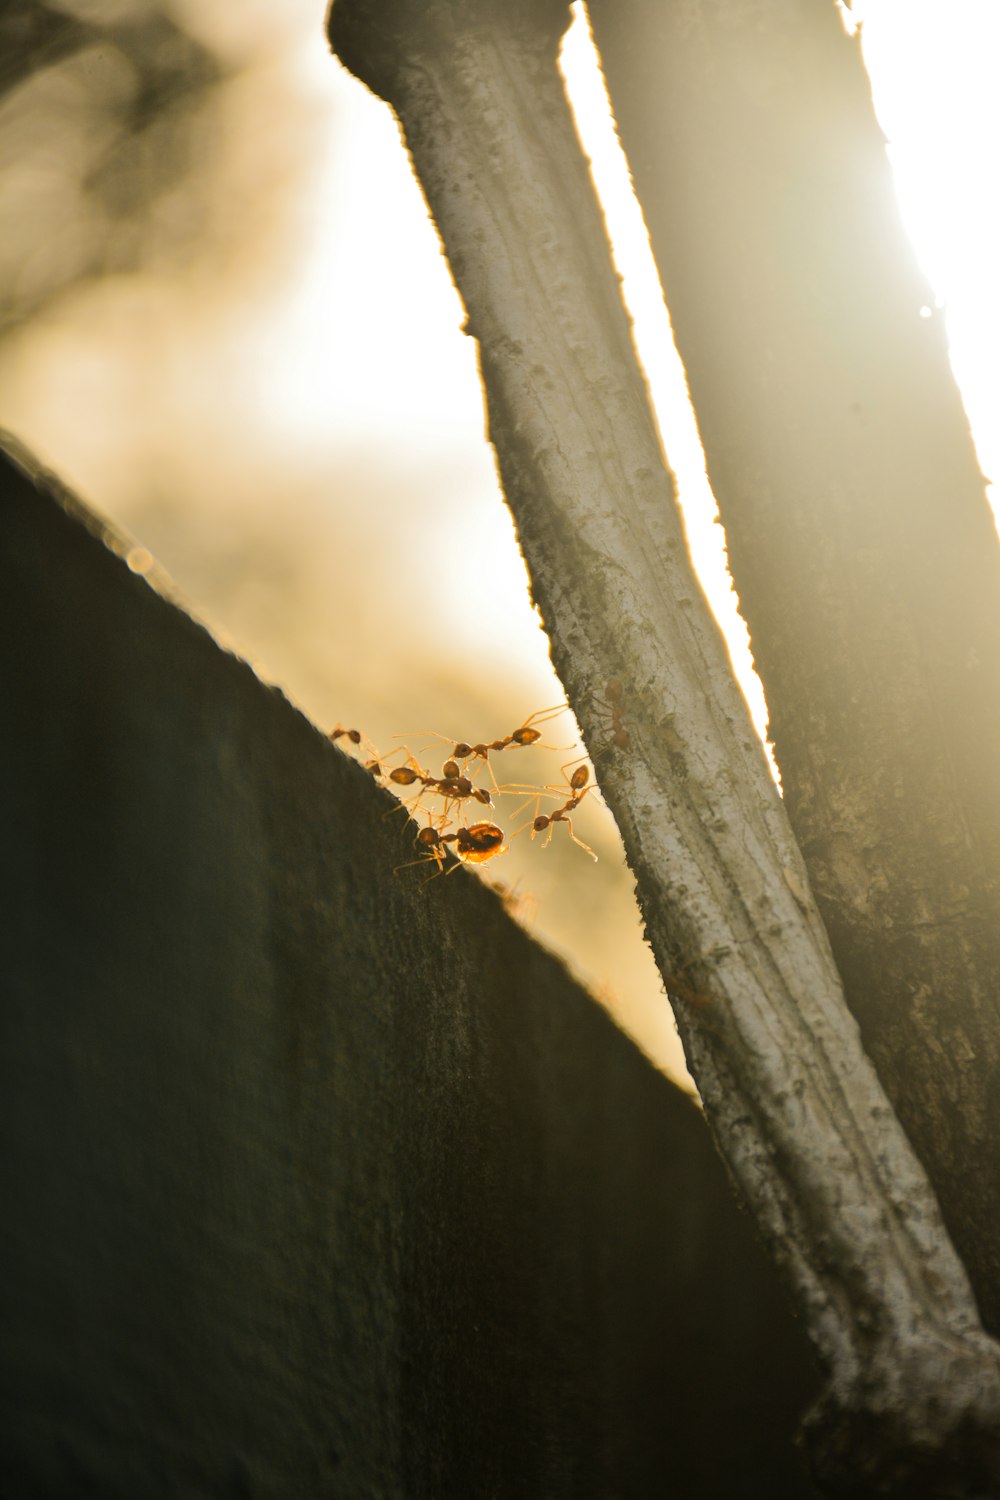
[[318, 1181]]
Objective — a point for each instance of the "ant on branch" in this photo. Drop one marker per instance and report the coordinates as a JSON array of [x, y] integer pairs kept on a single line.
[[578, 785], [679, 986], [356, 738], [521, 738], [526, 734], [610, 708], [473, 845], [478, 842], [451, 784], [337, 733]]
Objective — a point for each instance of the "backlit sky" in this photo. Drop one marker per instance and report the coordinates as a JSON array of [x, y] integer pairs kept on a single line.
[[291, 420]]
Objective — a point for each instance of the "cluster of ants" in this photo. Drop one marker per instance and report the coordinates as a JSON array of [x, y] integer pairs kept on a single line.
[[444, 798]]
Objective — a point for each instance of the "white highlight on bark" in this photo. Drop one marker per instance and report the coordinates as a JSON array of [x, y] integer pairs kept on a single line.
[[654, 339]]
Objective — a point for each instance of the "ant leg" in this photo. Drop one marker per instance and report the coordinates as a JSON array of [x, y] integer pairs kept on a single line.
[[586, 847], [434, 857], [537, 822]]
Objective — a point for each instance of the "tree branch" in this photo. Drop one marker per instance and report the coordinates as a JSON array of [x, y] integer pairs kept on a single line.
[[857, 529], [795, 1105]]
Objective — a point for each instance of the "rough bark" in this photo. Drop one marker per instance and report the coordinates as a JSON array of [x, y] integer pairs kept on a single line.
[[319, 1181], [859, 536], [794, 1102]]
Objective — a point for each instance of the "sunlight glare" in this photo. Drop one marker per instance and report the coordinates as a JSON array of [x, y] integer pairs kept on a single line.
[[934, 80], [367, 338], [654, 340]]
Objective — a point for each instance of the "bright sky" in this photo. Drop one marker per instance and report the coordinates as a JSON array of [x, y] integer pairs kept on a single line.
[[299, 437]]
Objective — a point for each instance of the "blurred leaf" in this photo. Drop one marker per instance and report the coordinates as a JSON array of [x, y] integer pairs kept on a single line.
[[98, 104]]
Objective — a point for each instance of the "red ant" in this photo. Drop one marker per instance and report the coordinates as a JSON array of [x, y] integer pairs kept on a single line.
[[451, 784], [354, 735], [473, 845], [679, 988], [520, 738], [578, 785], [610, 708], [699, 1002]]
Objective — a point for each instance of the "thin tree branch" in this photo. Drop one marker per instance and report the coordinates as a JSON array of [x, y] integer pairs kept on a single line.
[[795, 1105]]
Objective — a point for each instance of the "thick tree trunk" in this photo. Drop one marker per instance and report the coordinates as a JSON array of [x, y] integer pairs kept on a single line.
[[860, 540], [795, 1104]]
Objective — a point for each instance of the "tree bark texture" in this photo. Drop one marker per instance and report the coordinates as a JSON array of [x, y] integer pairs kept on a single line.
[[319, 1180], [794, 1102], [860, 540]]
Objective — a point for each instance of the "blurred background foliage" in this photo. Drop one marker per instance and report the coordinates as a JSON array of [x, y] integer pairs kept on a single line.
[[99, 138]]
